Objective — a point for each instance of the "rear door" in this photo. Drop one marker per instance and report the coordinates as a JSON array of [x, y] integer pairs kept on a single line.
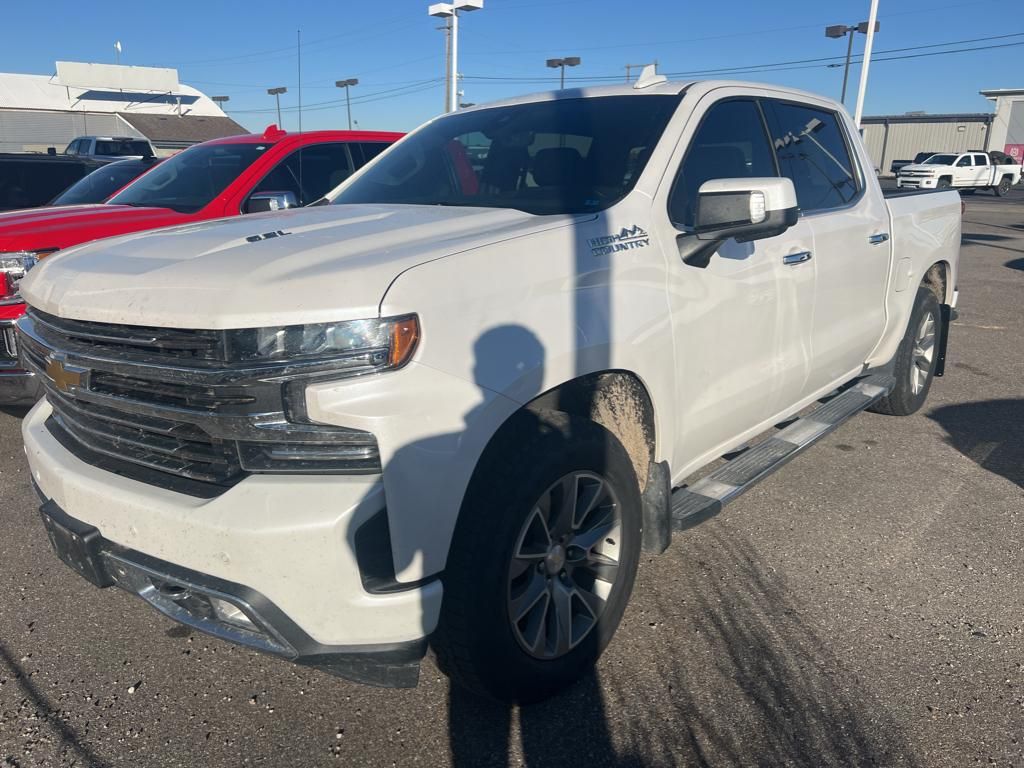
[[850, 222], [982, 171]]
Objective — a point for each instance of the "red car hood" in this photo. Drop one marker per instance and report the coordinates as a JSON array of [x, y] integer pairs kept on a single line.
[[61, 227]]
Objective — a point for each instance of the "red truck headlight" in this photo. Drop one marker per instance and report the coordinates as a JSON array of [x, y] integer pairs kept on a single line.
[[14, 266]]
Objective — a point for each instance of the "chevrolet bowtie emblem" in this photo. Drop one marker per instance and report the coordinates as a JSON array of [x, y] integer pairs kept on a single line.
[[64, 377]]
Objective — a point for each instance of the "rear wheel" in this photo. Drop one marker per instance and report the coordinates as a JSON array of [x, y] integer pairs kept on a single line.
[[542, 562], [1003, 188], [916, 358]]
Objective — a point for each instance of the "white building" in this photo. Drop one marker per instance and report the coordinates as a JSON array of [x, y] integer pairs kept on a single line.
[[42, 111]]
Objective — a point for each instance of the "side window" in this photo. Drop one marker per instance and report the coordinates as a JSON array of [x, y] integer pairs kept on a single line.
[[964, 161], [371, 149], [812, 151], [730, 143], [980, 160], [309, 173]]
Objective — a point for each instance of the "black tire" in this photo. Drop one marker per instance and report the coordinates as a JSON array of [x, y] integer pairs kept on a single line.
[[904, 400], [476, 643], [968, 191], [1004, 186], [943, 183]]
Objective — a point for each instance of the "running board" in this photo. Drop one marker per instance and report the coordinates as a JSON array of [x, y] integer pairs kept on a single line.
[[705, 498]]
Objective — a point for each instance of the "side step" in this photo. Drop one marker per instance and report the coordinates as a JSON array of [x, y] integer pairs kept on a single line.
[[705, 498]]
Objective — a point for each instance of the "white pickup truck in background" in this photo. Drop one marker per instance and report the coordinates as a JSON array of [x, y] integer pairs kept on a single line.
[[967, 172], [455, 404]]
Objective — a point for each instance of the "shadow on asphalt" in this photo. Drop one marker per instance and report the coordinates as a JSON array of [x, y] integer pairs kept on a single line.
[[989, 433], [985, 238], [17, 411], [49, 714], [1015, 263], [750, 683], [754, 684]]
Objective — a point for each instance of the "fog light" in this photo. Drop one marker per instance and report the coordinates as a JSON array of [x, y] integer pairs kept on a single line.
[[230, 613]]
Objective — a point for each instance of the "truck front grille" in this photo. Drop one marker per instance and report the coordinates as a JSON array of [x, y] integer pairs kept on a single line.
[[159, 405]]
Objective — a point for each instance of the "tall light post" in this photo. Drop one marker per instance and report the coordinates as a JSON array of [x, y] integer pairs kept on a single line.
[[219, 101], [450, 11], [346, 84], [276, 93], [561, 64], [841, 30]]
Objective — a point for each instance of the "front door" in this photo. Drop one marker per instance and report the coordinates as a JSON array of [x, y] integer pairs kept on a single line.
[[740, 324]]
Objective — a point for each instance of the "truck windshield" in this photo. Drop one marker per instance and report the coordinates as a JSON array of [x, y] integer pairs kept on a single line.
[[102, 183], [940, 160], [548, 157], [188, 181]]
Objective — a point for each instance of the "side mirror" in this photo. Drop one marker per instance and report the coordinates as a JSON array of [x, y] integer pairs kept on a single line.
[[261, 202], [739, 209]]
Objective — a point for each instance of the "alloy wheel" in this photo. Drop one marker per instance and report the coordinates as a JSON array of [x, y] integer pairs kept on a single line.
[[564, 565], [923, 353]]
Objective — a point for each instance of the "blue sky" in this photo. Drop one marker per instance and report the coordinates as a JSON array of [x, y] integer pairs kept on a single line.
[[240, 49]]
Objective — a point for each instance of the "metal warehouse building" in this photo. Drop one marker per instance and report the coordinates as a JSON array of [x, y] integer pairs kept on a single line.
[[900, 137], [40, 111]]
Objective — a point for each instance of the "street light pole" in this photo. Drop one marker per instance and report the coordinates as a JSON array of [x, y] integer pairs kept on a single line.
[[561, 64], [346, 84], [450, 11], [841, 30], [276, 93]]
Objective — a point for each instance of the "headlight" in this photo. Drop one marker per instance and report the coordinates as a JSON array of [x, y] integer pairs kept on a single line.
[[359, 346], [14, 265]]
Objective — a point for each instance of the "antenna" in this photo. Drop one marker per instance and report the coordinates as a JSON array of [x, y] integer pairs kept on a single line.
[[649, 77]]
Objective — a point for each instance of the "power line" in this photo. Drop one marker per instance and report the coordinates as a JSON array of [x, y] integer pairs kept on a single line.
[[766, 66]]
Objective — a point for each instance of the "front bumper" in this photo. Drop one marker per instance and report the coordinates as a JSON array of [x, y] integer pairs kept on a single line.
[[282, 549], [17, 386], [920, 182]]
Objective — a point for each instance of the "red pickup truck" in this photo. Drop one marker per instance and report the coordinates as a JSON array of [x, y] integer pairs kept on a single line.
[[224, 177]]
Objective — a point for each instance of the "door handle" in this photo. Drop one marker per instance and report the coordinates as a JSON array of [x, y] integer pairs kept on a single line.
[[796, 258], [878, 239]]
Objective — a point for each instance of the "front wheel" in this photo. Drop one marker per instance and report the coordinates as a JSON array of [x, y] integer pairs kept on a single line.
[[916, 358], [542, 562], [1003, 189], [943, 184]]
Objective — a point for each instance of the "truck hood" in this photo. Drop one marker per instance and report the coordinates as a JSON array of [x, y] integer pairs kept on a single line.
[[921, 167], [45, 228], [303, 266]]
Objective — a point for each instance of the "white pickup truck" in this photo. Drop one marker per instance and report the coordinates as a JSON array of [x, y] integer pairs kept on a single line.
[[967, 172], [454, 405]]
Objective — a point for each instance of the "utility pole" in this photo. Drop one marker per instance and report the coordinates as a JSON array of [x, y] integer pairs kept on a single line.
[[276, 93], [346, 84], [450, 11], [862, 90], [117, 51]]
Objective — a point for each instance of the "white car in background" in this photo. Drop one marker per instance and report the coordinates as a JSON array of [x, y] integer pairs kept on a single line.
[[967, 171]]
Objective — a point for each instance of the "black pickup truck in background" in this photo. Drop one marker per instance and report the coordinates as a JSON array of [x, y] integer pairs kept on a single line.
[[32, 179]]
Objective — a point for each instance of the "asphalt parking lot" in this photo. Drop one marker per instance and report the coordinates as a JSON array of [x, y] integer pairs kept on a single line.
[[861, 607]]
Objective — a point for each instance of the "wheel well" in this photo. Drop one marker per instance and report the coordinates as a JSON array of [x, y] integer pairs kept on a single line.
[[937, 279], [947, 178], [618, 401]]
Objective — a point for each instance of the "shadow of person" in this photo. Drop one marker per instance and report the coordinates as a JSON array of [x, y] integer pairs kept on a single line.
[[989, 433], [510, 359]]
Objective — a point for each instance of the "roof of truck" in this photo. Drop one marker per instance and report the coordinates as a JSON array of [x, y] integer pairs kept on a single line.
[[666, 88]]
